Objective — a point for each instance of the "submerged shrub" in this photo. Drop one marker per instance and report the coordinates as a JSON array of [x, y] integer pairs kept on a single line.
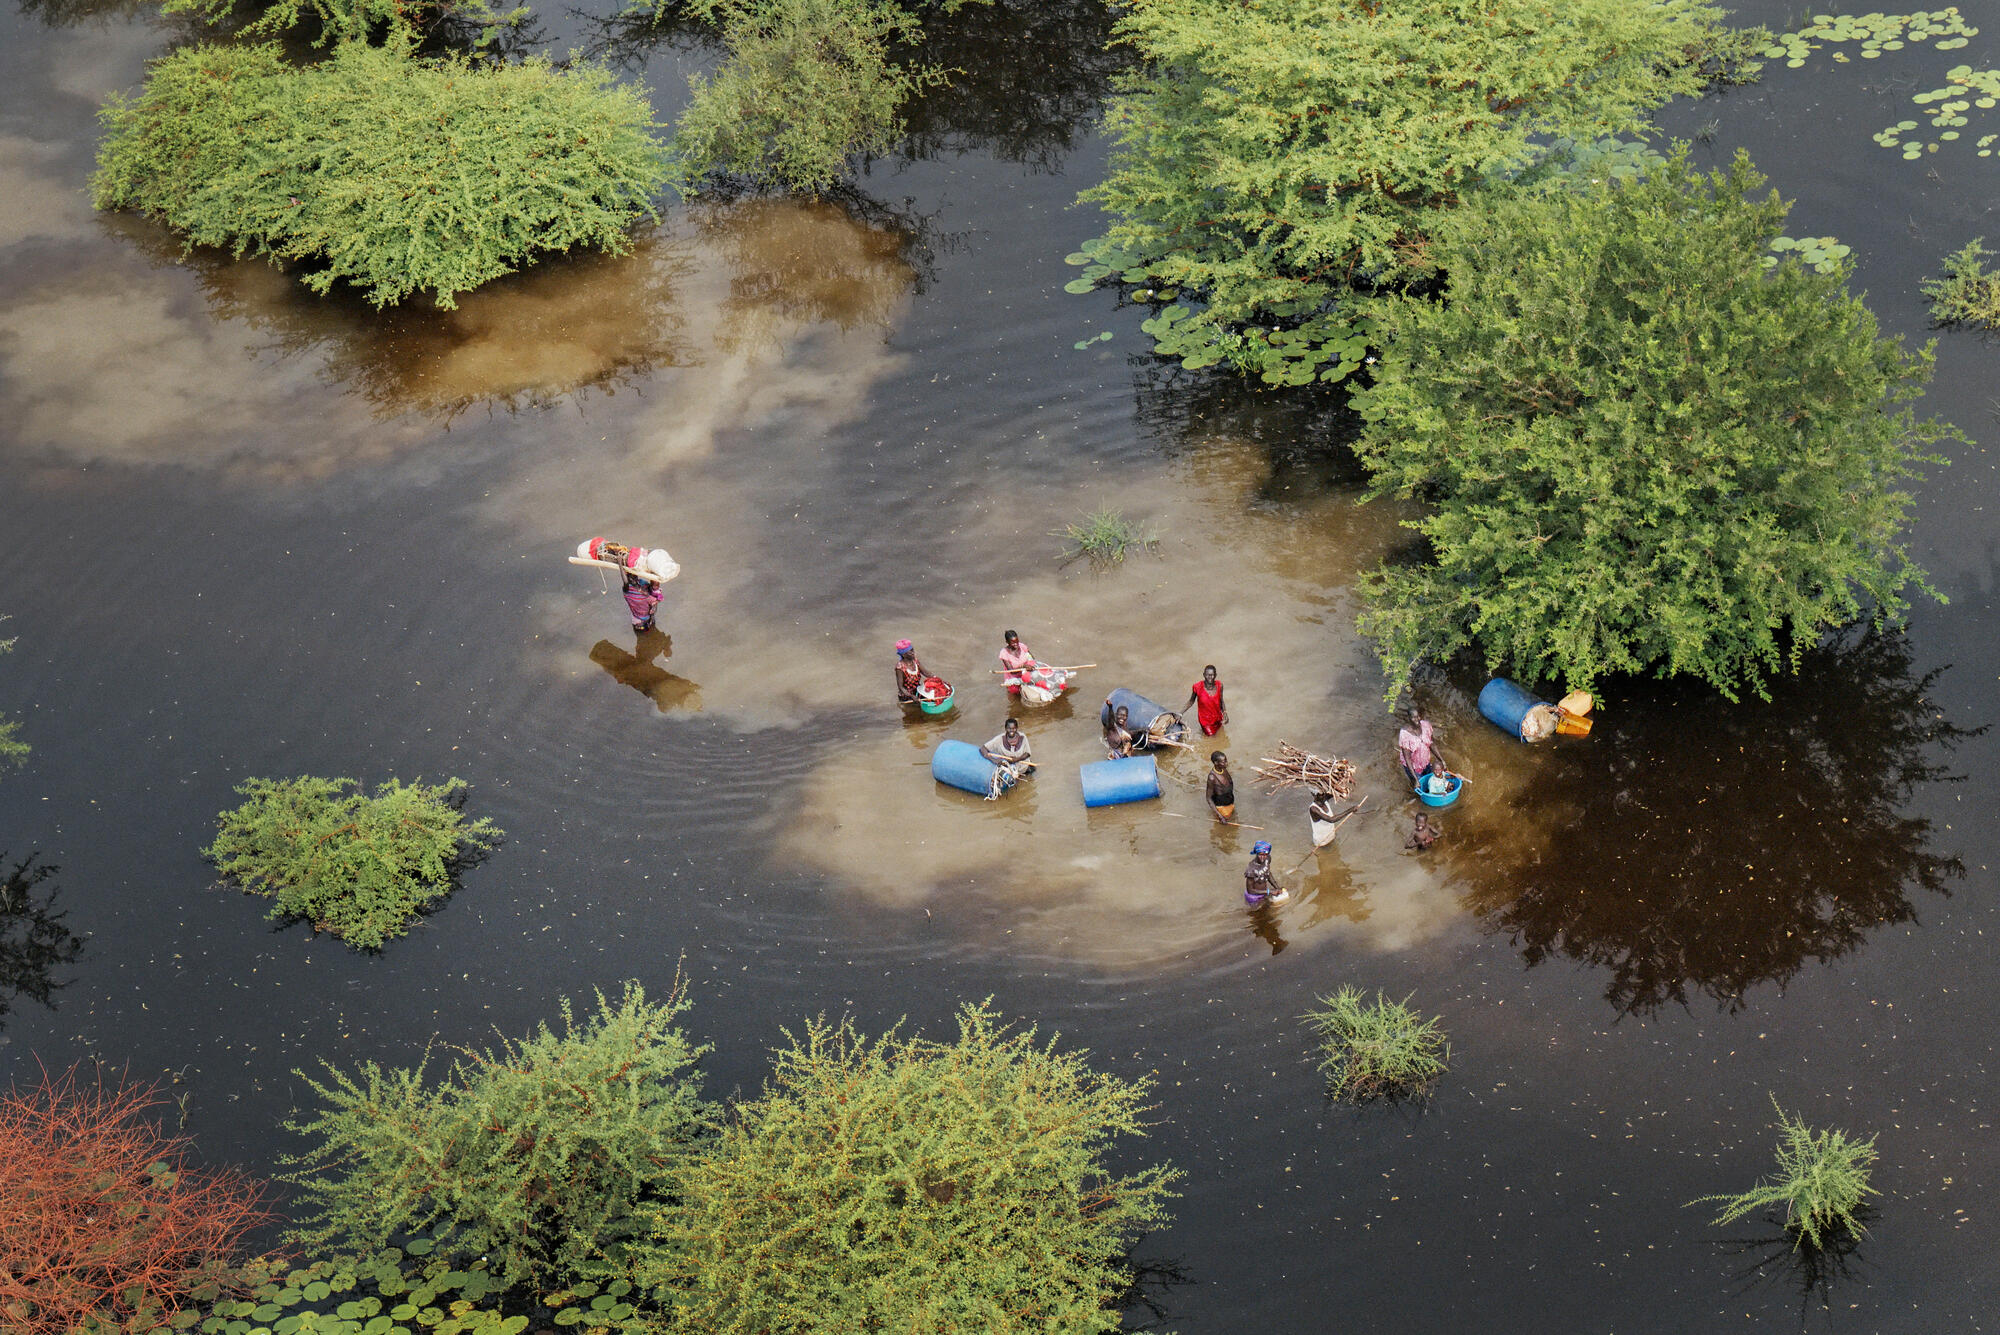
[[536, 1155], [1279, 163], [1969, 293], [1645, 450], [388, 1292], [104, 1224], [397, 174], [1822, 1181], [1106, 535], [807, 84], [13, 751], [905, 1184], [1379, 1048], [360, 867]]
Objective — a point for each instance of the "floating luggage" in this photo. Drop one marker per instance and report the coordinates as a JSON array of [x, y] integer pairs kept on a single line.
[[1041, 684], [934, 695], [1443, 799], [651, 564], [1512, 709], [1109, 782]]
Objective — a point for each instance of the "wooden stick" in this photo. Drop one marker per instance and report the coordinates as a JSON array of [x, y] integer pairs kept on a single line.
[[1001, 672], [1241, 825], [646, 575]]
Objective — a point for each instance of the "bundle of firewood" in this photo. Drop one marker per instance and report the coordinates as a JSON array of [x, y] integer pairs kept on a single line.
[[1292, 767]]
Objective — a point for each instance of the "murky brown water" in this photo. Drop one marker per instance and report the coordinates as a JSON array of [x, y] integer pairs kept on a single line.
[[253, 532]]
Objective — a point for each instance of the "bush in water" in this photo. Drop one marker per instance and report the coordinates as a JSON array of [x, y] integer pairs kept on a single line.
[[808, 84], [1369, 1050], [1107, 535], [13, 751], [103, 1224], [1646, 451], [904, 1184], [1279, 162], [1968, 293], [360, 867], [398, 174], [536, 1156], [1822, 1182]]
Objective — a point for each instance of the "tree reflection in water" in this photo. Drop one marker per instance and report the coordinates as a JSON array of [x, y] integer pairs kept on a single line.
[[34, 943], [1697, 847]]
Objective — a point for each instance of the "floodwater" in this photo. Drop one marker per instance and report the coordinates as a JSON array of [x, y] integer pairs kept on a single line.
[[252, 532]]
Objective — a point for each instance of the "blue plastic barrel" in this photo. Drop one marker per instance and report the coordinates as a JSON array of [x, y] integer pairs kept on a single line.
[[1109, 782], [1141, 710], [960, 765], [1507, 705]]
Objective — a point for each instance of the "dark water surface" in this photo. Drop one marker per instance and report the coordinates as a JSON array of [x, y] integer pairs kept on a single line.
[[250, 532]]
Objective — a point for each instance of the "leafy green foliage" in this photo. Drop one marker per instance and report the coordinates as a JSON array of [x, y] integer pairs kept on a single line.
[[536, 1156], [1876, 32], [1278, 162], [398, 174], [387, 1292], [1969, 293], [1822, 1181], [1646, 450], [360, 867], [808, 84], [1106, 535], [13, 751], [359, 20], [905, 1184], [1821, 254], [1372, 1049]]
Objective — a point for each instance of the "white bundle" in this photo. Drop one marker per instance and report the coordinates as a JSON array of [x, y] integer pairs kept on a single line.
[[655, 562]]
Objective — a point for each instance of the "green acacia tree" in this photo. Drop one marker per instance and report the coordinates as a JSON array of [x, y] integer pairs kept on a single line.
[[903, 1184], [1645, 450], [807, 84], [536, 1155], [1279, 160], [397, 173]]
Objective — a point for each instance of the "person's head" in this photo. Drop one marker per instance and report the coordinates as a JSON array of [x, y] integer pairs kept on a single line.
[[1208, 675], [1423, 822], [1320, 798], [1261, 850], [1013, 728], [1122, 717], [1220, 761], [1437, 766], [904, 649], [1416, 713], [1013, 639]]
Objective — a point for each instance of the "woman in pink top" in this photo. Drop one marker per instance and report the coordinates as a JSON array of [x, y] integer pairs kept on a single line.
[[1016, 658], [1413, 744]]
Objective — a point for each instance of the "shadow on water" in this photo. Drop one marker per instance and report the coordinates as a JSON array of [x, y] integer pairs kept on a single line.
[[34, 942], [1703, 849], [1782, 1258], [640, 668]]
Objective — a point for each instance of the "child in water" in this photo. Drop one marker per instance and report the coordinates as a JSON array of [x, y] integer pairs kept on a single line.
[[1424, 835]]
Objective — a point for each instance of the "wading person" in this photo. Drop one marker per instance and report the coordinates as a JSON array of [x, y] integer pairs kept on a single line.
[[1413, 744], [1423, 835], [1437, 779], [1260, 883], [1221, 791], [642, 599], [1205, 698], [1118, 739], [1326, 822], [1010, 750], [1016, 658], [909, 673]]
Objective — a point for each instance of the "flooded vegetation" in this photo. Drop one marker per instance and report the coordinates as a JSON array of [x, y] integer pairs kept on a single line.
[[256, 532]]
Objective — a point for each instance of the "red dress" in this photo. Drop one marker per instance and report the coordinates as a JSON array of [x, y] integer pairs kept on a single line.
[[1208, 708]]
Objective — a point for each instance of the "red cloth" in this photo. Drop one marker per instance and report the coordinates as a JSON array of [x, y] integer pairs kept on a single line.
[[1208, 708]]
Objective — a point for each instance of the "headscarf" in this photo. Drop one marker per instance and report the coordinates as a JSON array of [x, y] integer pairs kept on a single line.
[[903, 647], [1261, 846]]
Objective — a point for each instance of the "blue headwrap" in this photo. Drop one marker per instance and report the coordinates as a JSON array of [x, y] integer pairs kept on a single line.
[[1261, 846]]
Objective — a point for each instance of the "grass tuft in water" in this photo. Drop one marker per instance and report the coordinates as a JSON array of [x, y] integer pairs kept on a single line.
[[1376, 1049], [1968, 293], [1822, 1181], [1108, 536]]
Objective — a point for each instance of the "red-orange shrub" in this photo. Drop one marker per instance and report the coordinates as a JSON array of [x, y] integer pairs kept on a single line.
[[103, 1226]]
